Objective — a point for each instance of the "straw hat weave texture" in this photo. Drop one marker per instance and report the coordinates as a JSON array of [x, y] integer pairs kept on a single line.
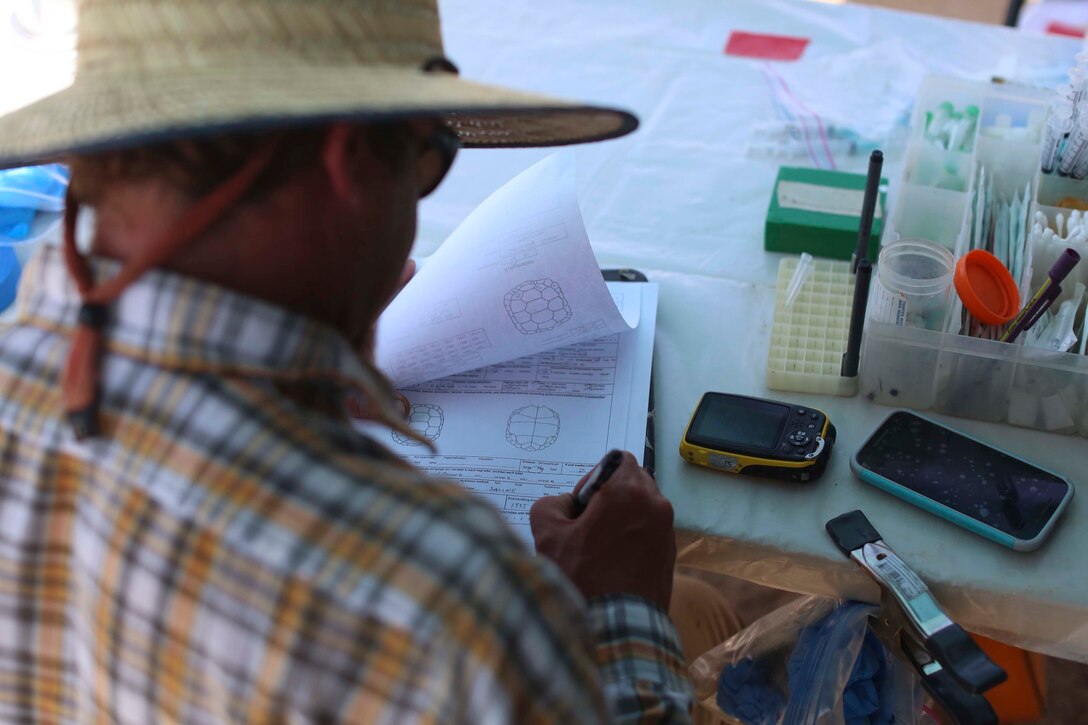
[[149, 70]]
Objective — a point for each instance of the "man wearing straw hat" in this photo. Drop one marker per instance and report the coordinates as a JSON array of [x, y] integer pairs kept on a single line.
[[190, 530]]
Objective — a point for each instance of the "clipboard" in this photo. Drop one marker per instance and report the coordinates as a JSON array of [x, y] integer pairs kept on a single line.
[[649, 457]]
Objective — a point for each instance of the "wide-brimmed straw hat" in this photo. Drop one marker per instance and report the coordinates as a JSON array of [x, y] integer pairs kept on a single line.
[[152, 70]]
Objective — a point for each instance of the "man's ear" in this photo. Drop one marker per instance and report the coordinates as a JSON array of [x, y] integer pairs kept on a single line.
[[339, 157]]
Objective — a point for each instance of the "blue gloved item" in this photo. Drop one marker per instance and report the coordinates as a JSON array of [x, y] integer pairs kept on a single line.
[[743, 693], [26, 191], [15, 224], [41, 188], [9, 277], [820, 657], [867, 699]]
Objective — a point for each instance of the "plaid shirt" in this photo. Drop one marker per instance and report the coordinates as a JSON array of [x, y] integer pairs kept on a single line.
[[227, 552]]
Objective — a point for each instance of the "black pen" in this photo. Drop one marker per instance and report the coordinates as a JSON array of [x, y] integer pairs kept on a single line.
[[868, 208], [852, 356], [597, 478]]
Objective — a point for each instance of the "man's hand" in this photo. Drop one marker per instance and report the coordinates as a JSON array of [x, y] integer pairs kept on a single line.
[[622, 543]]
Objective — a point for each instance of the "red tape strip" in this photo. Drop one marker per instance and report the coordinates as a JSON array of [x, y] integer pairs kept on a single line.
[[1056, 27], [767, 47]]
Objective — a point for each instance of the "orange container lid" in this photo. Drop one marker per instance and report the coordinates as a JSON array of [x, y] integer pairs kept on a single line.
[[986, 288]]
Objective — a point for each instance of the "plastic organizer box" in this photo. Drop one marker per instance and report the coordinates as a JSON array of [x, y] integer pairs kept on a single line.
[[951, 373]]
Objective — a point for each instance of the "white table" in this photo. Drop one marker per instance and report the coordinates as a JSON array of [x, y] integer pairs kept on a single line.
[[682, 200]]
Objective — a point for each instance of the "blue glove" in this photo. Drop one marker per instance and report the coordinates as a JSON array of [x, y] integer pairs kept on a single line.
[[744, 693], [9, 277], [15, 224], [867, 699]]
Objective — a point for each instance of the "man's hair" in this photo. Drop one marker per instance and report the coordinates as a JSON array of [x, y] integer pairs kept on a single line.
[[197, 166]]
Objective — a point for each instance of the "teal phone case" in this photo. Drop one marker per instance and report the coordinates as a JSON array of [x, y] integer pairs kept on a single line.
[[949, 514]]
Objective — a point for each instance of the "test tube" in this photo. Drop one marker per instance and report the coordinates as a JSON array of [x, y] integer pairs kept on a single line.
[[1082, 60], [1056, 128], [1080, 169], [936, 129], [1073, 113], [1076, 83], [1075, 146], [1062, 109]]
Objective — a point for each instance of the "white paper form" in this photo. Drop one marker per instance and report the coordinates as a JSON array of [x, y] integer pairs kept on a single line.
[[531, 427], [516, 278]]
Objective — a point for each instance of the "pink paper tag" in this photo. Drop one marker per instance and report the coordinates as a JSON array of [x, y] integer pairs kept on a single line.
[[1056, 27], [767, 47]]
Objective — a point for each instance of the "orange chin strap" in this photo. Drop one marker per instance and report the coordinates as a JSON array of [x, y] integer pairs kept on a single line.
[[82, 375]]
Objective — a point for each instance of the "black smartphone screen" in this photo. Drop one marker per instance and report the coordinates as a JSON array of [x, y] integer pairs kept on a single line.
[[726, 422], [992, 487]]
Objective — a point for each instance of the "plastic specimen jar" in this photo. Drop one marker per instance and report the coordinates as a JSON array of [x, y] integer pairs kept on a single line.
[[913, 280]]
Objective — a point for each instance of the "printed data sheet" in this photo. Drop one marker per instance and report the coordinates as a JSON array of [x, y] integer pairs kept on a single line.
[[515, 431], [517, 277]]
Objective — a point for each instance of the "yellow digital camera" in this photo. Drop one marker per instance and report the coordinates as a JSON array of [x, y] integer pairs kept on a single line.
[[740, 434]]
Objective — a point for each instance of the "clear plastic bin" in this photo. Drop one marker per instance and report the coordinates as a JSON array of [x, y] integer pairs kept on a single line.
[[967, 376], [972, 378]]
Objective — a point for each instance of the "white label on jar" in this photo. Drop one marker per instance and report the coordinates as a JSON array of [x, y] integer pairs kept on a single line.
[[823, 199], [888, 306]]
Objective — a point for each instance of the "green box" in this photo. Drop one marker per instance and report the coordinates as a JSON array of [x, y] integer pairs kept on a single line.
[[818, 211]]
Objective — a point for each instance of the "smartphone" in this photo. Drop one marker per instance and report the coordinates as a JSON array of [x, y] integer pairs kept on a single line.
[[961, 479]]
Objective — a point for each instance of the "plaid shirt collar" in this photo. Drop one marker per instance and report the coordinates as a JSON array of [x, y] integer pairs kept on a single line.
[[178, 322]]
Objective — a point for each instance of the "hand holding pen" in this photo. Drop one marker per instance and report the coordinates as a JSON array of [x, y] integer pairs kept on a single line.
[[613, 534], [597, 478]]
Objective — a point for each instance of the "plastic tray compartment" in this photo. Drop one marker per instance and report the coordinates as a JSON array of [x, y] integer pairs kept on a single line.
[[1014, 114], [926, 212], [1012, 164], [930, 165], [897, 365], [1053, 188], [1050, 392], [936, 91], [974, 378]]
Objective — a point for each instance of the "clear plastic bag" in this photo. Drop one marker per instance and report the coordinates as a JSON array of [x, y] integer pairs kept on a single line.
[[812, 661]]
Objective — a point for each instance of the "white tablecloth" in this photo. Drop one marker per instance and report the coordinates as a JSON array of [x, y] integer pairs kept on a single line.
[[682, 200]]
